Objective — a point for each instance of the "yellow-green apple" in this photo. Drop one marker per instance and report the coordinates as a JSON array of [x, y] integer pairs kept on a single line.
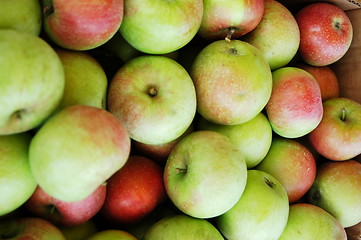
[[134, 191], [292, 164], [205, 174], [77, 150], [154, 97], [354, 232], [81, 231], [307, 221], [81, 24], [29, 228], [62, 213], [277, 35], [31, 78], [169, 25], [229, 19], [338, 135], [21, 15], [85, 80], [295, 107], [260, 214], [112, 234], [326, 79], [325, 33], [337, 190], [253, 138], [233, 82], [182, 227], [17, 183]]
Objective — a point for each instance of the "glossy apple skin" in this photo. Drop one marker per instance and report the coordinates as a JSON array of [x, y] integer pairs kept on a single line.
[[134, 191], [81, 25], [295, 107], [338, 136], [291, 163], [221, 16], [66, 213], [325, 33], [307, 221], [337, 190]]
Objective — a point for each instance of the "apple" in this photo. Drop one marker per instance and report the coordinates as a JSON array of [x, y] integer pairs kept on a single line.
[[253, 138], [277, 36], [21, 15], [64, 213], [81, 24], [32, 81], [77, 150], [325, 33], [154, 97], [80, 231], [134, 191], [182, 226], [295, 106], [230, 19], [260, 213], [307, 221], [205, 174], [336, 189], [292, 164], [233, 82], [29, 228], [112, 234], [17, 183], [159, 27], [326, 79], [338, 135]]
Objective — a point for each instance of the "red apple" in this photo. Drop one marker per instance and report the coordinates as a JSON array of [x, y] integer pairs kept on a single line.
[[325, 33], [134, 191], [66, 213]]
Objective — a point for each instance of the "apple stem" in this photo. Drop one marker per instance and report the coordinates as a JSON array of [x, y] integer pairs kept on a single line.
[[230, 34], [343, 114], [269, 182], [181, 170], [152, 91], [52, 209]]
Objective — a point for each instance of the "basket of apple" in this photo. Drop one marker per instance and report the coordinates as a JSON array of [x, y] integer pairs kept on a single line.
[[192, 119]]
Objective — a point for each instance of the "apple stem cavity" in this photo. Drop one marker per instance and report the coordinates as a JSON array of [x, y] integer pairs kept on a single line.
[[18, 114], [181, 170], [269, 182], [48, 8], [230, 33], [343, 114], [152, 91]]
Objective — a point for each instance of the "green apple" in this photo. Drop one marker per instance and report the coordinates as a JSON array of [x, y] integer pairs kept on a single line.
[[77, 150], [159, 27], [81, 231], [17, 183], [205, 174], [253, 138], [337, 190], [233, 82], [21, 15], [182, 227], [112, 234], [31, 81], [307, 221], [260, 214]]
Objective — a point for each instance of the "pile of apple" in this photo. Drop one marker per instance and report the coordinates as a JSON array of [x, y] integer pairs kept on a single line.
[[192, 119]]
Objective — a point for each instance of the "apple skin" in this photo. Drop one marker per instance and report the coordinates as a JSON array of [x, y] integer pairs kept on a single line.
[[295, 106], [233, 82], [221, 17], [27, 17], [77, 150], [169, 25], [29, 228], [292, 164], [253, 138], [261, 213], [277, 35], [63, 213], [17, 183], [112, 234], [307, 221], [81, 24], [325, 33], [32, 70], [182, 226], [81, 231], [205, 174], [154, 97], [337, 190], [134, 191], [338, 136]]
